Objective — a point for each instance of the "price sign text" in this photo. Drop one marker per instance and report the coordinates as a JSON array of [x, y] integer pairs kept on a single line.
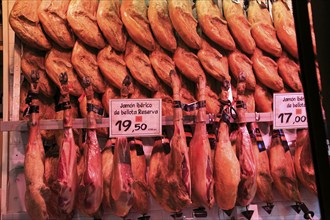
[[289, 111], [135, 117]]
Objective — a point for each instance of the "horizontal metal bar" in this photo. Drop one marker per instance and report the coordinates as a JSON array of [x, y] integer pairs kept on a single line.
[[104, 122]]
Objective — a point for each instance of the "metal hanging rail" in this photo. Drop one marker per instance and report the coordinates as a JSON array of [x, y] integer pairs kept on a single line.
[[104, 122]]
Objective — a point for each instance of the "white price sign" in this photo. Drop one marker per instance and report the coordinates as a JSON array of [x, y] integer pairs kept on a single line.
[[135, 117], [289, 111]]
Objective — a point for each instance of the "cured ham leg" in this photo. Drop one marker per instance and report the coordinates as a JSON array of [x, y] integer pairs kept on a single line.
[[282, 168], [169, 169], [141, 202], [303, 161], [239, 62], [122, 197], [161, 24], [67, 183], [24, 20], [266, 71], [134, 16], [163, 64], [52, 15], [107, 167], [263, 98], [108, 19], [139, 65], [289, 71], [264, 178], [200, 156], [214, 62], [35, 60], [91, 188], [213, 24], [239, 25], [262, 28], [121, 179], [184, 22], [37, 192], [110, 62], [284, 25], [58, 61], [247, 187], [82, 19], [84, 61], [188, 63], [226, 165]]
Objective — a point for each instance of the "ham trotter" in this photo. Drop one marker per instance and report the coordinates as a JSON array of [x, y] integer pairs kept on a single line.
[[91, 187], [248, 185], [282, 168], [264, 177], [37, 192], [200, 155], [169, 169], [226, 165], [141, 202], [122, 199], [67, 183]]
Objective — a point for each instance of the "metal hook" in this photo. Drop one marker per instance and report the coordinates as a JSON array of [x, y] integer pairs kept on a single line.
[[257, 116]]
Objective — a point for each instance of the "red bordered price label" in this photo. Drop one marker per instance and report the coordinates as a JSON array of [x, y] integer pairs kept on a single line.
[[135, 117], [289, 111]]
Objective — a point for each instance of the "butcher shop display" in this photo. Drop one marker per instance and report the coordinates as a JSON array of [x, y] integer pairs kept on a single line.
[[215, 65]]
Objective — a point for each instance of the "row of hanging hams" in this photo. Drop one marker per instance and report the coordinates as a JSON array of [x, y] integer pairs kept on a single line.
[[130, 50], [108, 40], [77, 175]]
